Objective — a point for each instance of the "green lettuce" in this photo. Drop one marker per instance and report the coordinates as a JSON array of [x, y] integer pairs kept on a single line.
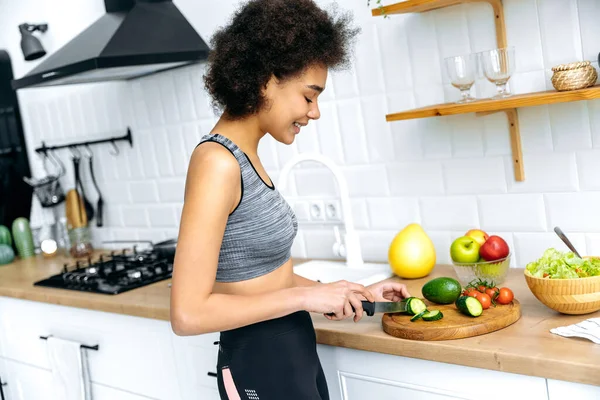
[[556, 264]]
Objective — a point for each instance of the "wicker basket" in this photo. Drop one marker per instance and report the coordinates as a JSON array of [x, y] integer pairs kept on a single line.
[[577, 75]]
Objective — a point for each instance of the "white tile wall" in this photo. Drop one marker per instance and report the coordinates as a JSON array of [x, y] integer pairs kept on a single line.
[[448, 174]]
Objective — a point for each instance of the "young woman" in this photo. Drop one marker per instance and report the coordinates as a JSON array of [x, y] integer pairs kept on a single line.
[[233, 272]]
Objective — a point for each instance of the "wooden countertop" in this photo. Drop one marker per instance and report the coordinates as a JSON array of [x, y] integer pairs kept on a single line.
[[526, 347]]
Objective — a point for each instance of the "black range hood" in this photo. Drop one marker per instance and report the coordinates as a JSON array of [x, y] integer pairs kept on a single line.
[[133, 39]]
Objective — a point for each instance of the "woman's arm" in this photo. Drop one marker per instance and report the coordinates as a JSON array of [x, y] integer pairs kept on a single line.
[[212, 192], [302, 281]]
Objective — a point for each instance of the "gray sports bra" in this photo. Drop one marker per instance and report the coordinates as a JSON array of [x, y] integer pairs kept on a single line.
[[260, 230]]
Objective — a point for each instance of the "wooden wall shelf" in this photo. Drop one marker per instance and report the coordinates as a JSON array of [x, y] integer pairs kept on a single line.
[[413, 6], [508, 105], [484, 105]]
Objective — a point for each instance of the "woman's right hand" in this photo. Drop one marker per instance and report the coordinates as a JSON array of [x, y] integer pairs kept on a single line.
[[337, 300]]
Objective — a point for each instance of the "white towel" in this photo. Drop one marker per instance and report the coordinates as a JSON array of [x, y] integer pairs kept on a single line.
[[588, 329], [70, 374]]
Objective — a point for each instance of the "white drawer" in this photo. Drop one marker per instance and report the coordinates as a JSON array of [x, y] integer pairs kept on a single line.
[[101, 392], [22, 322], [135, 354], [558, 390], [404, 376]]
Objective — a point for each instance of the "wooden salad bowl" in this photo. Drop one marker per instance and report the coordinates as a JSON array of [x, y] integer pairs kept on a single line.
[[567, 296]]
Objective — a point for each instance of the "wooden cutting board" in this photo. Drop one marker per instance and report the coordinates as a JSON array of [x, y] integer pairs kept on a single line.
[[454, 325]]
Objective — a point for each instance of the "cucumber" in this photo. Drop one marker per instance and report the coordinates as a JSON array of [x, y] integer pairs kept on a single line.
[[418, 316], [443, 290], [433, 315], [415, 305], [469, 306]]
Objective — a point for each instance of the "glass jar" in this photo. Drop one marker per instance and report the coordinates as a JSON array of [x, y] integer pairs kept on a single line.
[[81, 242]]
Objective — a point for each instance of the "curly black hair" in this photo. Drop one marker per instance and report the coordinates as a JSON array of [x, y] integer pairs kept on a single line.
[[268, 38]]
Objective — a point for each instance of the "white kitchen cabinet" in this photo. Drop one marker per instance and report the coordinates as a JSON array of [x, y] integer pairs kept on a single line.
[[101, 392], [196, 361], [327, 356], [560, 390], [135, 354], [26, 382], [4, 395], [362, 374]]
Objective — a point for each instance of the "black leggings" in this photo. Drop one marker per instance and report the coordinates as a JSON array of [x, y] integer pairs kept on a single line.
[[271, 360]]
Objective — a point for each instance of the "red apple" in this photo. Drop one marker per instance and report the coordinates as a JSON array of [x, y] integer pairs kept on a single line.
[[479, 235], [494, 248]]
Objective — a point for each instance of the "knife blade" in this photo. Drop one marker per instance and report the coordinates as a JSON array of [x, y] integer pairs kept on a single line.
[[382, 307]]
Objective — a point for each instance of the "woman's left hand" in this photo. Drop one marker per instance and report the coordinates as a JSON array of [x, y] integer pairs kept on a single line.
[[389, 291]]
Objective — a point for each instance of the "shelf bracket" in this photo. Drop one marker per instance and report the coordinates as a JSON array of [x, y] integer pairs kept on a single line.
[[515, 140], [418, 6], [499, 21]]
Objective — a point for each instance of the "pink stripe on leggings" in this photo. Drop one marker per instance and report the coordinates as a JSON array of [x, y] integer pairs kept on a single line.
[[230, 388]]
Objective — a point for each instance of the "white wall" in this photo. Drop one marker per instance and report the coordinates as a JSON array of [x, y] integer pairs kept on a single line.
[[449, 174]]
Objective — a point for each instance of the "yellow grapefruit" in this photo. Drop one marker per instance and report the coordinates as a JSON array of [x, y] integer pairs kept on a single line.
[[411, 253]]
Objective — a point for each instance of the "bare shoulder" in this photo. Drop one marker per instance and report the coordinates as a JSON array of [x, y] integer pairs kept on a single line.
[[212, 166], [213, 157]]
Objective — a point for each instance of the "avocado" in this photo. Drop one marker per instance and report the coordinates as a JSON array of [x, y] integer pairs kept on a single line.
[[443, 290]]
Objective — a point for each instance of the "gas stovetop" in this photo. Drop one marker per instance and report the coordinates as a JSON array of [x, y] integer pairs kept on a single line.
[[112, 273]]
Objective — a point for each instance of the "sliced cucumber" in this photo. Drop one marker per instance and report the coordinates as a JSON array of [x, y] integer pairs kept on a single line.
[[469, 306], [418, 316], [415, 305], [433, 315]]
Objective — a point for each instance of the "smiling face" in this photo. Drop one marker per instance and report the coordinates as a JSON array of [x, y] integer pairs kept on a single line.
[[292, 103]]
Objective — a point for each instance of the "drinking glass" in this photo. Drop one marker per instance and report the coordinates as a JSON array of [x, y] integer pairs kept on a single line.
[[498, 66], [462, 70]]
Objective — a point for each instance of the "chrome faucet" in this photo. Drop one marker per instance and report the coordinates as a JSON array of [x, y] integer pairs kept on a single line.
[[350, 248]]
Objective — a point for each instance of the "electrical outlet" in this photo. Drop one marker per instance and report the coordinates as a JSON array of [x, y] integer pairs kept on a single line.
[[333, 211], [317, 210]]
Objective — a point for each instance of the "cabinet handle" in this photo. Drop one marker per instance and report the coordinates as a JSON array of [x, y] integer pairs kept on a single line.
[[213, 374], [83, 346], [2, 391]]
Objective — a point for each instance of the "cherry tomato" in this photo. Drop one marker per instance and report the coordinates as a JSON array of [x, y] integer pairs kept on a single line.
[[506, 296], [492, 292], [484, 299], [471, 292], [481, 288]]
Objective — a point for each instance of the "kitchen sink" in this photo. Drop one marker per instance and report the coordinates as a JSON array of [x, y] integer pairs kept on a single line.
[[331, 271]]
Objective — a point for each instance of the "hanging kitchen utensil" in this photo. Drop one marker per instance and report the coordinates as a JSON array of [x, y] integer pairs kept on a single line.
[[48, 189], [88, 208], [100, 203], [74, 210]]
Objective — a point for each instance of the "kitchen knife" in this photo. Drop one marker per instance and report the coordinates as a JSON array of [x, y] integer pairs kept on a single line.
[[382, 307]]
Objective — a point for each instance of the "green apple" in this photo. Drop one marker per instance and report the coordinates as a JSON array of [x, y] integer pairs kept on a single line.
[[464, 249]]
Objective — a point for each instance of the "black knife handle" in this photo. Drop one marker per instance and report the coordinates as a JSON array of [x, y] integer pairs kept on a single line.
[[367, 306]]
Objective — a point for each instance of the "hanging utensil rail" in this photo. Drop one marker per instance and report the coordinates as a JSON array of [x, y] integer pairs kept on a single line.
[[112, 140], [9, 151]]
